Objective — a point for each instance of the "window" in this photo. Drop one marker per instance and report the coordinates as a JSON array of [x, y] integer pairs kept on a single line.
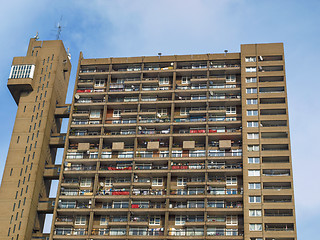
[[251, 69], [251, 90], [162, 112], [254, 199], [154, 220], [250, 59], [103, 220], [108, 182], [255, 213], [158, 181], [253, 173], [253, 148], [232, 220], [255, 227], [116, 113], [252, 135], [95, 114], [185, 80], [118, 231], [181, 181], [163, 81], [121, 204], [231, 180], [230, 78], [180, 220], [99, 83], [252, 112], [80, 220], [252, 124], [252, 101], [127, 154], [254, 185], [251, 79], [22, 71], [85, 182], [106, 154], [231, 110], [184, 111], [253, 160]]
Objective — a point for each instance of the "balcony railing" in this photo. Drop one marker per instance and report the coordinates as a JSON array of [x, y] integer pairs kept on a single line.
[[66, 231]]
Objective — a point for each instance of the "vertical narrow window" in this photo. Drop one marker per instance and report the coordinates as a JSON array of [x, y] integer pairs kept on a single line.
[[19, 225], [52, 58], [49, 75], [22, 212], [23, 160], [18, 138], [50, 66], [11, 171], [24, 109], [27, 189]]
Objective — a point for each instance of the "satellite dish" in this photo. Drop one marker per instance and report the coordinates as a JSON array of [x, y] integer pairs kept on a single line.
[[77, 96], [140, 128], [211, 93], [159, 115]]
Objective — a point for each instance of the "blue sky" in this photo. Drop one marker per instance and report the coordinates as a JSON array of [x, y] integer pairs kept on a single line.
[[112, 28]]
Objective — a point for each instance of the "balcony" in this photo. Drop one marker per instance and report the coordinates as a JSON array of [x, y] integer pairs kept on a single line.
[[114, 192], [145, 192], [75, 192], [79, 168], [70, 231], [186, 232], [277, 227]]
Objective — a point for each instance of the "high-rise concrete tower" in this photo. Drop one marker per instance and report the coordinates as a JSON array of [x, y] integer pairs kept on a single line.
[[160, 147], [38, 83]]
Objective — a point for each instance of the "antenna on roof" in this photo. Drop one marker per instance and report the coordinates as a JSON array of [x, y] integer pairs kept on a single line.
[[59, 29], [69, 54], [37, 36]]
